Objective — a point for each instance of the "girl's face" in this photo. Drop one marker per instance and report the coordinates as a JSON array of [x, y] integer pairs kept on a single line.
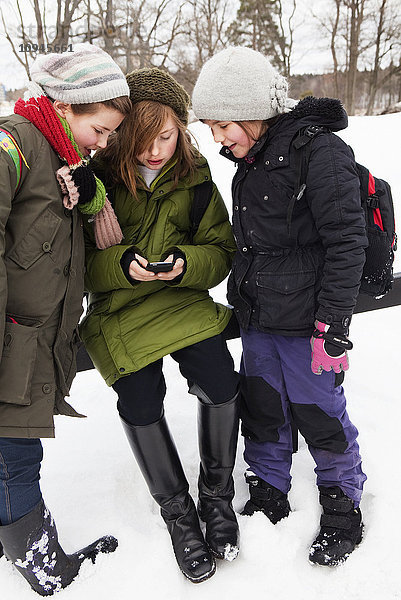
[[90, 130], [162, 148], [230, 134]]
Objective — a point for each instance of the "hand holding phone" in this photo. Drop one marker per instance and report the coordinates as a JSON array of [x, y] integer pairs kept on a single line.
[[159, 267], [141, 270]]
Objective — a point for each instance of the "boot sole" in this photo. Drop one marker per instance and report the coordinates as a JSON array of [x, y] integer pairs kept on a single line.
[[202, 577]]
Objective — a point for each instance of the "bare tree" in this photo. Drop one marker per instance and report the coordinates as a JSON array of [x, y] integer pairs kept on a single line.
[[139, 32], [355, 18], [66, 15], [206, 27], [387, 43], [331, 23], [333, 49], [44, 36], [107, 29], [358, 29], [286, 40], [22, 57]]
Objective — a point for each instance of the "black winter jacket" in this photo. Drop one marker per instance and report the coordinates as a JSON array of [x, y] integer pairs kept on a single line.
[[282, 282]]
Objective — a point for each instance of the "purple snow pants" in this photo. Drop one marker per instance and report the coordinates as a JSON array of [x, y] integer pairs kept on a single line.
[[277, 383]]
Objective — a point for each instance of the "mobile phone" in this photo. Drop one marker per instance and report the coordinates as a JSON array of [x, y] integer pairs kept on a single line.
[[159, 267]]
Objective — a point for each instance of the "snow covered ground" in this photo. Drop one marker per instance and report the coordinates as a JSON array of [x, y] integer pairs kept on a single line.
[[92, 485]]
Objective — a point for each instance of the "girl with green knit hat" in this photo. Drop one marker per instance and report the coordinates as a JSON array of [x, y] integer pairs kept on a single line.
[[74, 101], [149, 297]]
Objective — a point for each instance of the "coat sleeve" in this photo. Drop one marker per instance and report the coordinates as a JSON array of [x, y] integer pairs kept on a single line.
[[103, 271], [334, 198], [8, 182], [209, 258]]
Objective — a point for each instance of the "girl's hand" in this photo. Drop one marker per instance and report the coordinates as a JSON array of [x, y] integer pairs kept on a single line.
[[176, 270], [138, 271]]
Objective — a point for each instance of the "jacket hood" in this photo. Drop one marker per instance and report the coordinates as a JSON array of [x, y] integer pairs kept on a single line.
[[323, 111]]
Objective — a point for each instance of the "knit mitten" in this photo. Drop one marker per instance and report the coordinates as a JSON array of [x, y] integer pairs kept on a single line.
[[85, 181]]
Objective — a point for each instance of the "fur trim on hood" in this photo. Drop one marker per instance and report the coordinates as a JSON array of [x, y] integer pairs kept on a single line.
[[329, 111]]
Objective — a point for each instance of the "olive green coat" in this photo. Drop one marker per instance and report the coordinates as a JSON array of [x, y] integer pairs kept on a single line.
[[41, 287], [130, 325]]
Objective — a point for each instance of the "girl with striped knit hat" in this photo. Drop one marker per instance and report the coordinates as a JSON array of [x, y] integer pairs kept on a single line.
[[73, 103]]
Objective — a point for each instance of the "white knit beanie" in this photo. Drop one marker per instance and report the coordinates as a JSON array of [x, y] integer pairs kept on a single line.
[[239, 84], [85, 75]]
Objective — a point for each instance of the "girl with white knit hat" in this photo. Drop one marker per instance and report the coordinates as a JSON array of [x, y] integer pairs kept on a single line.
[[294, 284], [73, 103]]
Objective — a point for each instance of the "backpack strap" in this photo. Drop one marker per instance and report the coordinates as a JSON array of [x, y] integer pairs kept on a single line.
[[201, 200], [9, 145], [303, 148]]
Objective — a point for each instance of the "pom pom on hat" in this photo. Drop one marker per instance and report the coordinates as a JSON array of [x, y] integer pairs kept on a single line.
[[239, 84], [85, 75], [159, 86]]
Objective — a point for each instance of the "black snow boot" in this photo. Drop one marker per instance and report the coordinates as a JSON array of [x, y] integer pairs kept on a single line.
[[157, 457], [265, 498], [218, 434], [1, 550], [31, 544], [340, 528]]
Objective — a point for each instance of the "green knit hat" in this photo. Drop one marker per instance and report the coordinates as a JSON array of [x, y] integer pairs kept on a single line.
[[159, 86]]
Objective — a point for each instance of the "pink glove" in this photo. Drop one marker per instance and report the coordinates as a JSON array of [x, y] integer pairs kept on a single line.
[[329, 349]]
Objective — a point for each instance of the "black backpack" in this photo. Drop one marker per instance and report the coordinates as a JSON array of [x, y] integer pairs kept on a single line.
[[377, 203], [202, 196]]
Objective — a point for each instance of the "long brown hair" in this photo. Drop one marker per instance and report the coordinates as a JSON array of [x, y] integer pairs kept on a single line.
[[136, 134]]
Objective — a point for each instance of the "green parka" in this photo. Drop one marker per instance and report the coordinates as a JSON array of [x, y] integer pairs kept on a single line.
[[129, 326], [41, 287]]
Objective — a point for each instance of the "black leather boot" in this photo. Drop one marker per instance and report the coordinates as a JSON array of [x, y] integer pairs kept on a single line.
[[340, 528], [265, 498], [157, 457], [218, 434], [31, 544]]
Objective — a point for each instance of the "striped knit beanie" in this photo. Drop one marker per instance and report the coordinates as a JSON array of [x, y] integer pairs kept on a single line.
[[86, 75], [159, 86]]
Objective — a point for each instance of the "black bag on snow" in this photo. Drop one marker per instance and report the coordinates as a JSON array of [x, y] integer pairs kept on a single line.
[[377, 203]]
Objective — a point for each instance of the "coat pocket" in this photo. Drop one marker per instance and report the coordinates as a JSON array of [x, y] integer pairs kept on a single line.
[[286, 300], [37, 241], [17, 363]]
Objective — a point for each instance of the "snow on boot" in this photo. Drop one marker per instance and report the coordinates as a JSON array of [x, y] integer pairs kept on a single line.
[[218, 434], [157, 457], [265, 498], [340, 528], [31, 544]]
